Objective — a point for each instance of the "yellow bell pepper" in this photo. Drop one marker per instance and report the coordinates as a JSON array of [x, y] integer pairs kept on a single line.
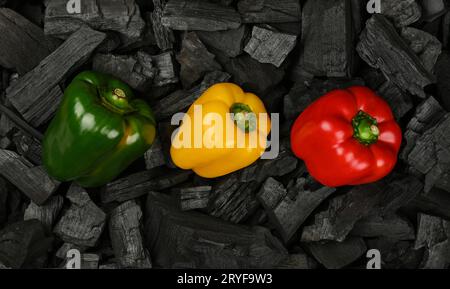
[[223, 131]]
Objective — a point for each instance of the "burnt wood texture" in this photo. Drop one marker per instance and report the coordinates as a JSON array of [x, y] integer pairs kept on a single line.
[[271, 214]]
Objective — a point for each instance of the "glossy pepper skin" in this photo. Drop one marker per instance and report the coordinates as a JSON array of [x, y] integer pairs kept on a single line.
[[98, 131], [347, 137], [211, 162]]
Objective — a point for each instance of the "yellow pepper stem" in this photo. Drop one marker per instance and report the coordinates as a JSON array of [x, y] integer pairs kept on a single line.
[[244, 117]]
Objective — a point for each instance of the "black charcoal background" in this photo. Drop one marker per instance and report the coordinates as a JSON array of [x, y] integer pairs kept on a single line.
[[269, 215]]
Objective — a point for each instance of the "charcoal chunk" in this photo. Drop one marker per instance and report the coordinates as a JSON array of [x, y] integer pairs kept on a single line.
[[121, 16], [110, 44], [271, 193], [3, 202], [199, 15], [401, 192], [137, 71], [303, 93], [195, 60], [336, 255], [9, 120], [229, 42], [436, 202], [47, 213], [443, 75], [288, 209], [126, 236], [28, 147], [194, 198], [40, 112], [24, 245], [155, 157], [36, 95], [6, 124], [164, 36], [327, 39], [401, 12], [166, 73], [269, 11], [399, 101], [382, 47], [233, 197], [282, 165], [33, 181], [391, 226], [139, 184], [223, 2], [432, 9], [446, 30], [82, 224], [396, 254], [182, 99], [5, 142], [194, 240], [433, 234], [269, 46], [23, 44], [427, 115], [252, 75], [232, 200], [16, 205], [109, 266], [430, 155], [4, 79], [89, 261], [344, 211], [298, 261], [425, 45], [373, 78]]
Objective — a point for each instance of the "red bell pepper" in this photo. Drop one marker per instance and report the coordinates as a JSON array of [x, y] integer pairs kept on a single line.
[[347, 137]]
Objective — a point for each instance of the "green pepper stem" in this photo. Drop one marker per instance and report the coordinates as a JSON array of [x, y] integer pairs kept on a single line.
[[119, 93], [117, 101], [243, 116], [365, 128]]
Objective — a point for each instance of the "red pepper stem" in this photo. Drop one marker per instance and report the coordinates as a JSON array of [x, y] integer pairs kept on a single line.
[[365, 128], [243, 116]]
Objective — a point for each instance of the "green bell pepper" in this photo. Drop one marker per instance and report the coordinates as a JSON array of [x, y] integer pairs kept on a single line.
[[98, 131]]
